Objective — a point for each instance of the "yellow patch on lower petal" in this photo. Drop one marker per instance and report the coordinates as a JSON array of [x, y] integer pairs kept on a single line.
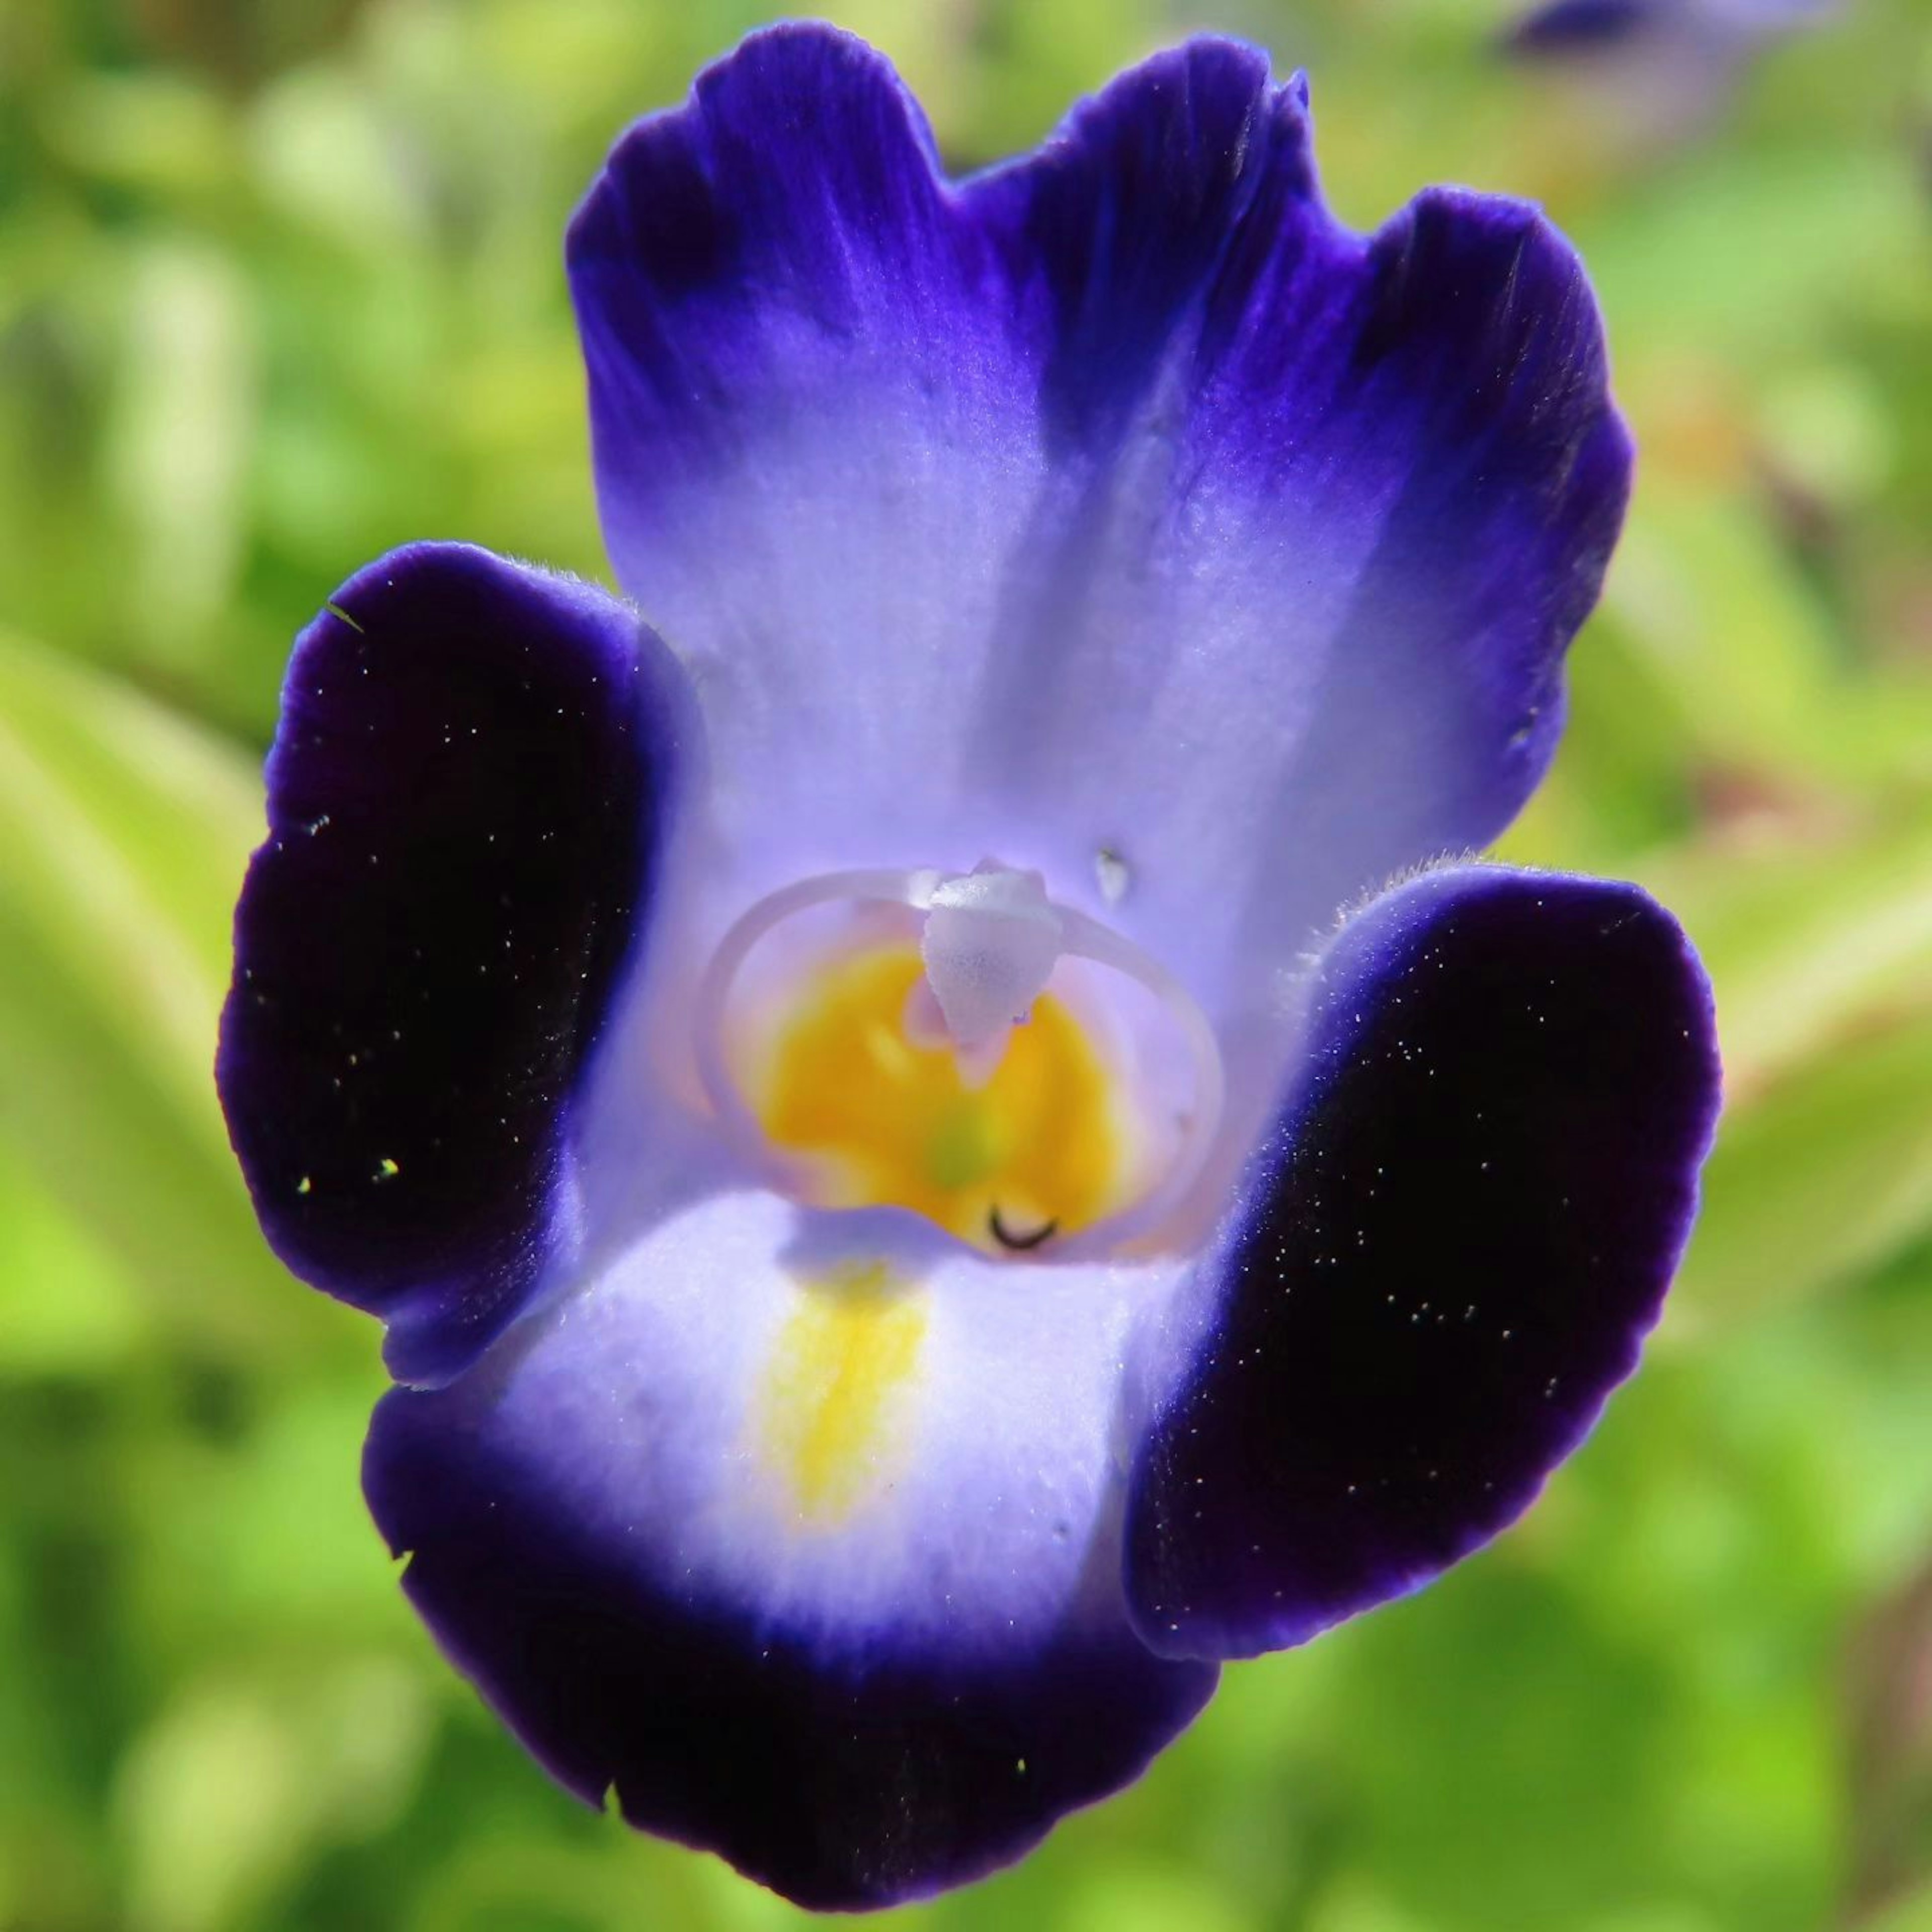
[[836, 1381]]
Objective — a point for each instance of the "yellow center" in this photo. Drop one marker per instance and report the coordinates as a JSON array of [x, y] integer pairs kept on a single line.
[[883, 1121]]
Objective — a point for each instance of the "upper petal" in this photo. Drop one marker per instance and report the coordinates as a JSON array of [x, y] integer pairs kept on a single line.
[[1444, 1255], [1119, 499], [468, 792], [809, 458], [802, 1533]]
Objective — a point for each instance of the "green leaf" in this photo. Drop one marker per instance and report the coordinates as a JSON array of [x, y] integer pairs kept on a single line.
[[1750, 255], [1829, 1172], [123, 833], [1809, 943], [67, 1305]]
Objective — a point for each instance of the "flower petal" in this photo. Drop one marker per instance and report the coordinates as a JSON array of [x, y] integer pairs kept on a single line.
[[802, 1531], [474, 768], [810, 457], [966, 500], [1446, 1254]]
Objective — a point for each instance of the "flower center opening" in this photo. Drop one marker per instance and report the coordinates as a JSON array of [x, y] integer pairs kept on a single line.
[[883, 1114], [912, 1056]]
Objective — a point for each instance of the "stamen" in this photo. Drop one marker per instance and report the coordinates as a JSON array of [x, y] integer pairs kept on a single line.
[[714, 992], [991, 940], [1087, 938]]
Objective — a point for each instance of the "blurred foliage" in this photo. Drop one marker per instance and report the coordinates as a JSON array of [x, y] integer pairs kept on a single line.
[[280, 287]]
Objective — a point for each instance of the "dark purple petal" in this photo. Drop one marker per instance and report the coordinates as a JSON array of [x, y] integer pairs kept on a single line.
[[1445, 1255], [854, 1708], [966, 499], [472, 776]]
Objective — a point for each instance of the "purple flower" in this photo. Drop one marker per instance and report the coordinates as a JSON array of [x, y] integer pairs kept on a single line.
[[1661, 68], [845, 1425], [1592, 26]]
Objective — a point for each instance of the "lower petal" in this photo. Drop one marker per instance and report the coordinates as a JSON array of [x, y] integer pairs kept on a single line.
[[801, 1534], [1446, 1254]]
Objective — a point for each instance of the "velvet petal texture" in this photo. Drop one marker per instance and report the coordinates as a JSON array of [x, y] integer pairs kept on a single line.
[[1447, 1252], [801, 1534], [467, 791], [1127, 457]]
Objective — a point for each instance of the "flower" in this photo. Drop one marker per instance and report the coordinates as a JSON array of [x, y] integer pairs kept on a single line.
[[1663, 69], [848, 1427]]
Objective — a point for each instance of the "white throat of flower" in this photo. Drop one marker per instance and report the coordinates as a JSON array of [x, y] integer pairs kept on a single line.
[[989, 943]]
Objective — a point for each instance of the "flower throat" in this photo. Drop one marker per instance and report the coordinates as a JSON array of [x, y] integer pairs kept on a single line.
[[935, 1071]]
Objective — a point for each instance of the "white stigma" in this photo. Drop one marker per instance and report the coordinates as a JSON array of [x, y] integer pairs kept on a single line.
[[991, 942]]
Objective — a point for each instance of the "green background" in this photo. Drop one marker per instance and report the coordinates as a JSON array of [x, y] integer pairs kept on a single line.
[[280, 287]]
